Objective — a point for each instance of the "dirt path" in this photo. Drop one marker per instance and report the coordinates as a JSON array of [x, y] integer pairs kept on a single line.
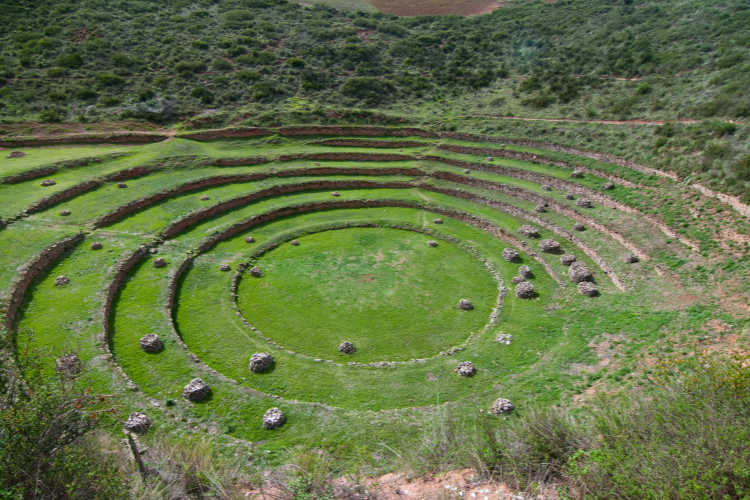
[[598, 122]]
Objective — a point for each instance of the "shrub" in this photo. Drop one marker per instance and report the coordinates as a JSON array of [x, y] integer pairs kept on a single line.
[[202, 93], [370, 90], [71, 60], [222, 64], [109, 80]]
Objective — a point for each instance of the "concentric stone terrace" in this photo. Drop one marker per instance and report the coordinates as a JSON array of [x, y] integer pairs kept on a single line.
[[266, 283]]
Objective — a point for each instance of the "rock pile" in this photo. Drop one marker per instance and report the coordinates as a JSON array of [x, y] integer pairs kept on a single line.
[[62, 280], [249, 239], [159, 262], [465, 304], [438, 221], [525, 272], [224, 267], [608, 185], [577, 174], [65, 212], [525, 290], [47, 182], [151, 343], [346, 347], [256, 272], [511, 255], [196, 390], [541, 208], [631, 259], [501, 406], [273, 419], [528, 231], [335, 194], [579, 227], [567, 259], [432, 243], [96, 246], [588, 289], [466, 369], [578, 272], [570, 196], [584, 202], [294, 243], [121, 185], [16, 154], [261, 362], [138, 423], [549, 246]]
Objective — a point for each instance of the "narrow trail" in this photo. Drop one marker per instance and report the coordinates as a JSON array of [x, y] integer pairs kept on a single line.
[[687, 121]]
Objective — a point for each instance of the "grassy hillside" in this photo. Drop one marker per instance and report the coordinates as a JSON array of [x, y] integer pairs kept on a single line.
[[164, 61]]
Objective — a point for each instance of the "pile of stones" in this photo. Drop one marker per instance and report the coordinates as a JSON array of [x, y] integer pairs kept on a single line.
[[466, 369]]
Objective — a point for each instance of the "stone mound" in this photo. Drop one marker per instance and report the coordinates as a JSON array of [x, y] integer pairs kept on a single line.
[[65, 212], [346, 347], [159, 262], [517, 279], [546, 187], [570, 196], [583, 202], [47, 182], [62, 280], [249, 239], [578, 272], [501, 406], [261, 362], [335, 194], [205, 198], [541, 208], [579, 227], [16, 154], [511, 255], [138, 423], [504, 338], [69, 364], [151, 343], [631, 259], [432, 243], [273, 419], [588, 289], [608, 185], [465, 304], [567, 259], [256, 272], [549, 246], [528, 231], [525, 290], [224, 267], [438, 221], [466, 369], [525, 272], [196, 390], [577, 174], [121, 185], [294, 243], [96, 246]]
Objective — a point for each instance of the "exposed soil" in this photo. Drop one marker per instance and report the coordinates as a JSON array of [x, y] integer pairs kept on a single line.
[[436, 7]]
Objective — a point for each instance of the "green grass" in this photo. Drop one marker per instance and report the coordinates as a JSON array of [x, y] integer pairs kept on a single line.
[[381, 287]]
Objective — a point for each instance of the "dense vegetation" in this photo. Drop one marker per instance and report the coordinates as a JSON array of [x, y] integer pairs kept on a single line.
[[169, 60]]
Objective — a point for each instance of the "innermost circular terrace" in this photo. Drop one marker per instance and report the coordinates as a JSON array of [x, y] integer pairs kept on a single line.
[[386, 290]]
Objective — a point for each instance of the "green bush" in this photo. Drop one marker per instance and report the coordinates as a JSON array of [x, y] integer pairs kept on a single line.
[[371, 91], [71, 60], [109, 80]]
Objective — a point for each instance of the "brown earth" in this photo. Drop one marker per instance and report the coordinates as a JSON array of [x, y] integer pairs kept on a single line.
[[436, 7]]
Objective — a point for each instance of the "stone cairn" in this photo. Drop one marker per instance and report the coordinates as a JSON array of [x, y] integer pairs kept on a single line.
[[137, 423], [541, 208], [529, 231], [570, 196], [438, 220], [159, 262], [525, 272], [62, 280], [608, 185], [567, 259], [255, 272], [631, 259], [96, 246], [465, 304], [122, 185], [346, 347], [549, 246], [47, 183], [294, 243], [584, 202], [432, 243], [588, 289], [524, 290], [501, 406], [16, 154], [273, 419], [577, 174], [261, 362], [65, 212], [335, 194], [196, 390], [579, 227], [546, 187], [511, 255], [224, 267], [466, 369], [249, 239], [578, 272], [151, 343], [504, 338], [69, 364]]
